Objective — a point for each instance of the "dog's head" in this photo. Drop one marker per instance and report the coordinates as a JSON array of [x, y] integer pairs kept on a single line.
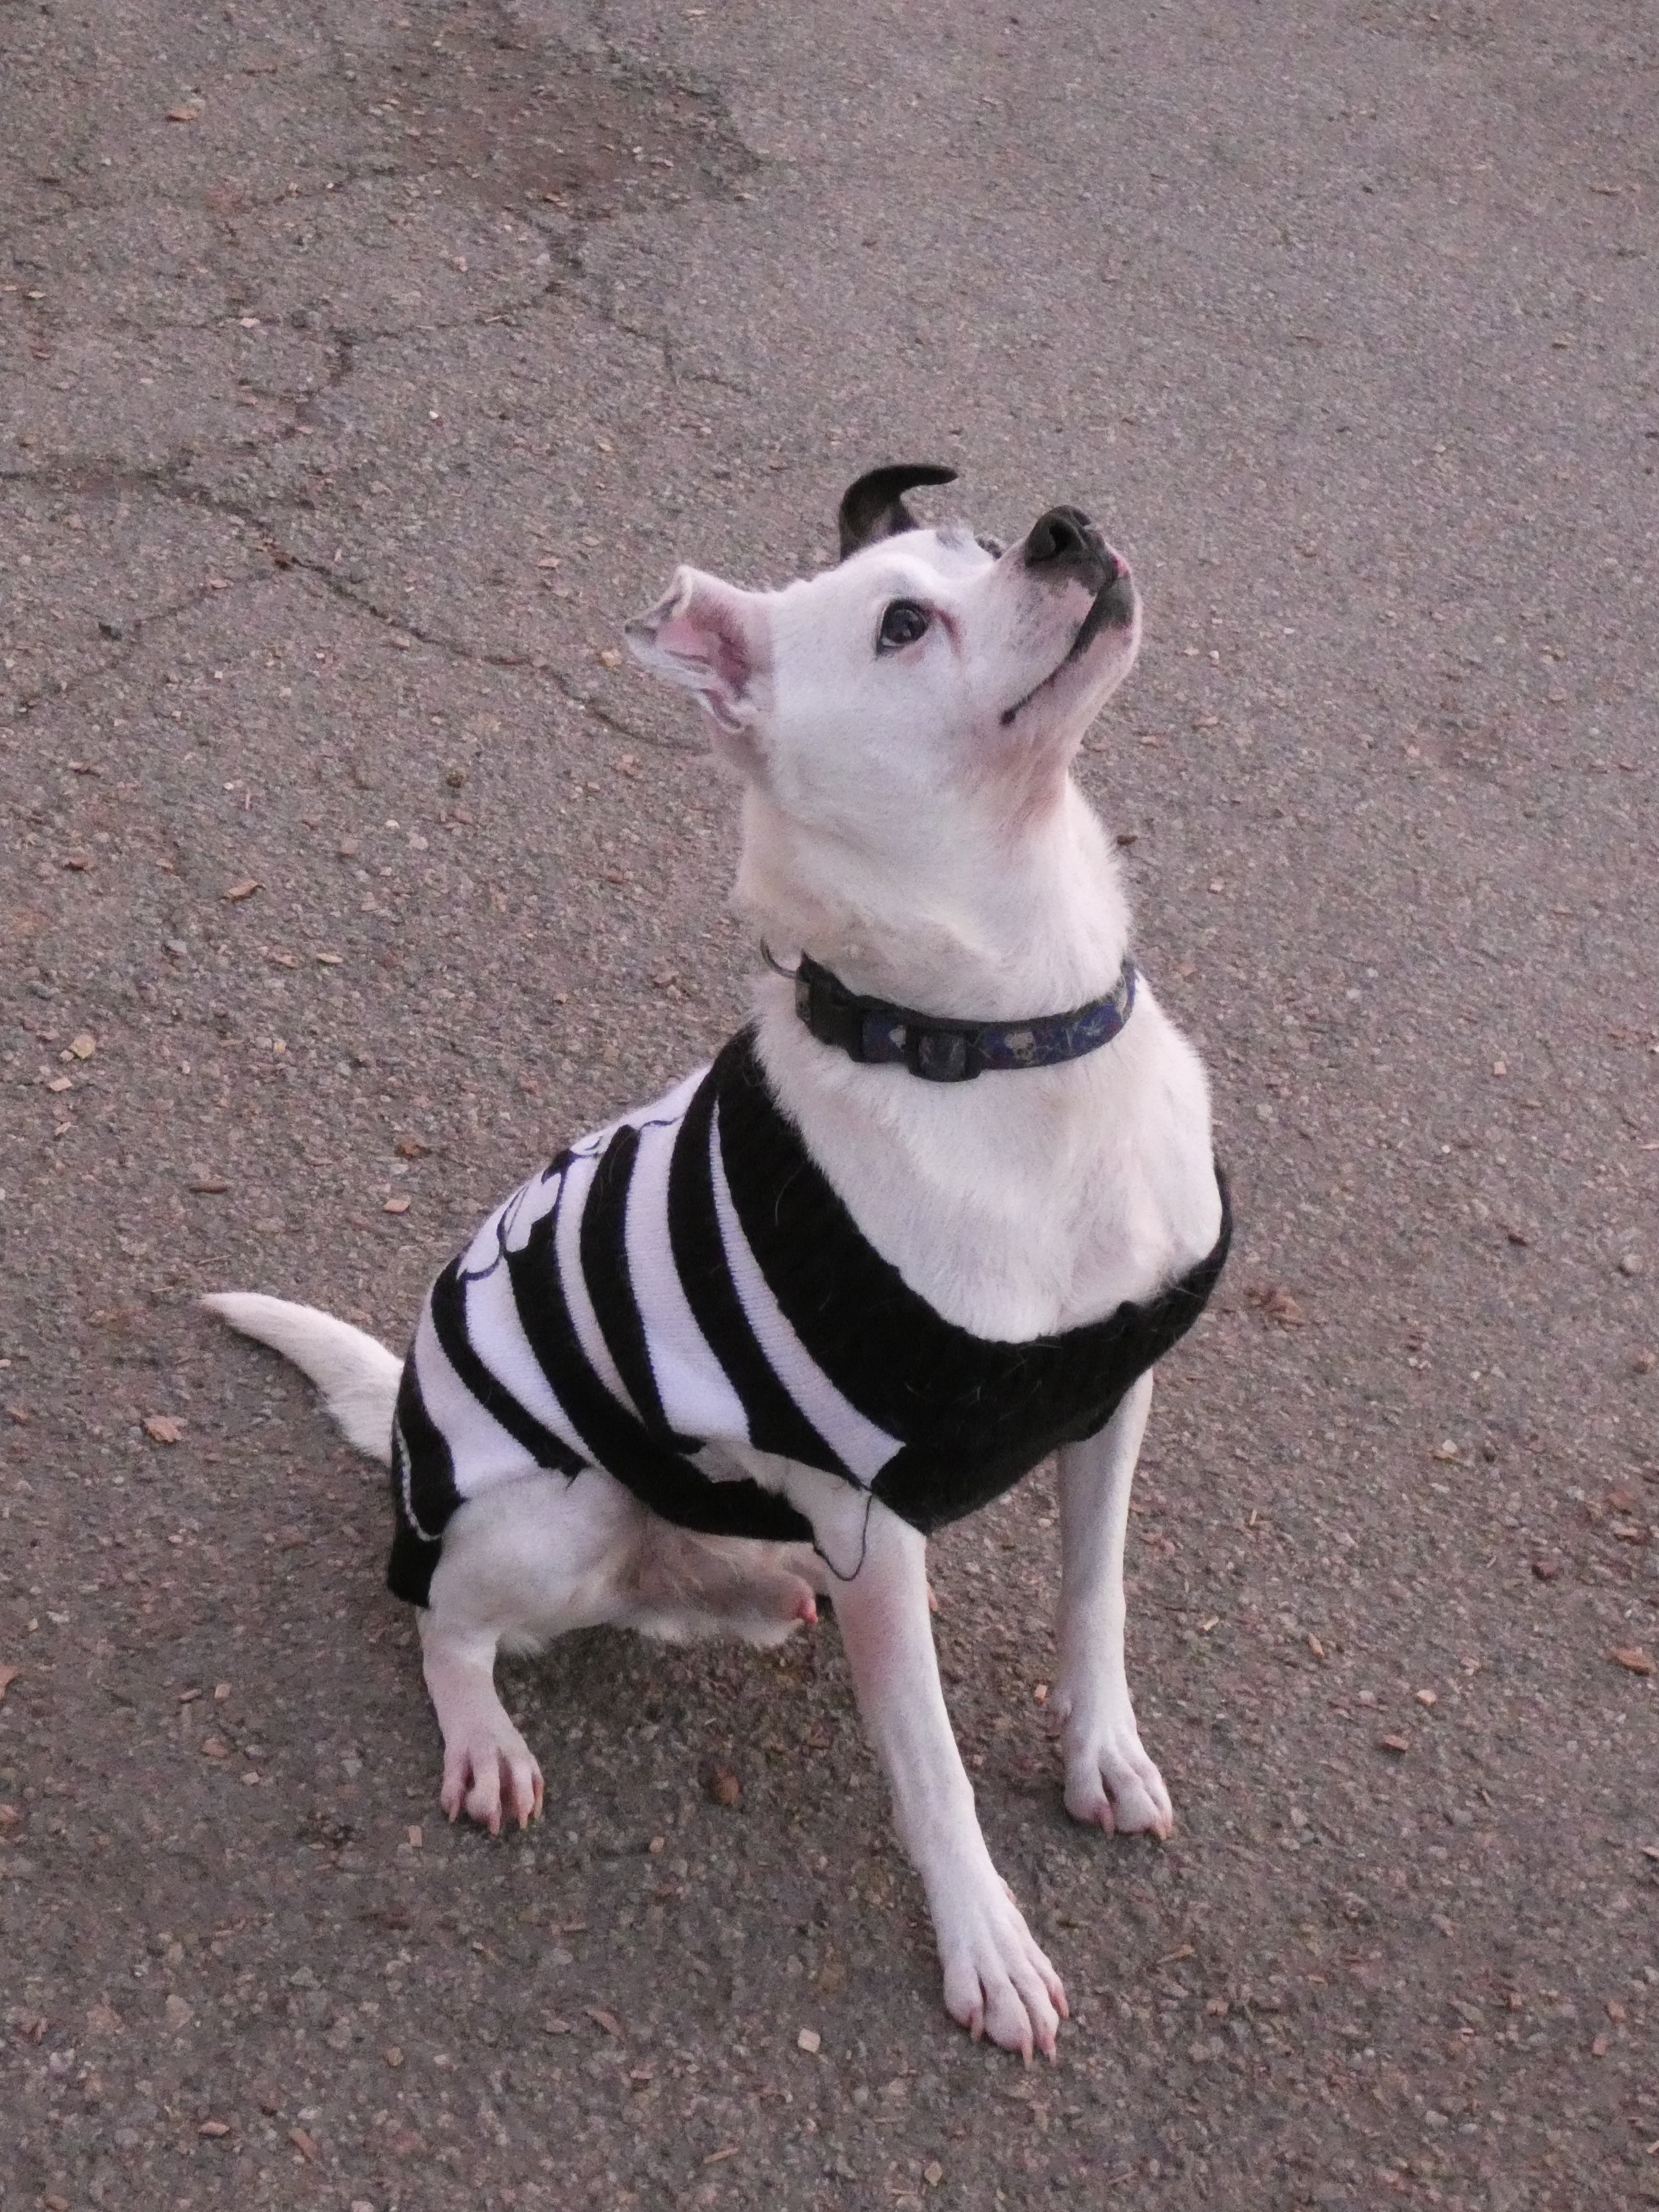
[[921, 702]]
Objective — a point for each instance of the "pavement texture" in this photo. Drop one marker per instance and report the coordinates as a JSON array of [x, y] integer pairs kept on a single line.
[[361, 369]]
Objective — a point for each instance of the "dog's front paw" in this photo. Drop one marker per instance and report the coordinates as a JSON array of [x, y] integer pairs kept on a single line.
[[1110, 1781], [997, 1981], [489, 1769]]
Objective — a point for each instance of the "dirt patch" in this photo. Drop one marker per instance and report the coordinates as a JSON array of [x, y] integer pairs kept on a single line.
[[468, 93]]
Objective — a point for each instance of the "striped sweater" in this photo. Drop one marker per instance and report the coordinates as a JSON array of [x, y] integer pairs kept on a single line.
[[687, 1278]]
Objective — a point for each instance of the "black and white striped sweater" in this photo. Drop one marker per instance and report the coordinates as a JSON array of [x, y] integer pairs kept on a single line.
[[687, 1277]]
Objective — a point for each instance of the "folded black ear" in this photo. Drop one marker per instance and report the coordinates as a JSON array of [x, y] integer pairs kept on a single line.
[[875, 506]]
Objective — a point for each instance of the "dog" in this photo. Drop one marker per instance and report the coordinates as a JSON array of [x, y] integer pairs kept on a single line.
[[933, 1215]]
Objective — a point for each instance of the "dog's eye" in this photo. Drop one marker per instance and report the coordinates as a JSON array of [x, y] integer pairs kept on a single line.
[[903, 623]]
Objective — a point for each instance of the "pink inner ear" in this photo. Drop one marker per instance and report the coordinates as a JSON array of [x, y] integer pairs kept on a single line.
[[712, 634]]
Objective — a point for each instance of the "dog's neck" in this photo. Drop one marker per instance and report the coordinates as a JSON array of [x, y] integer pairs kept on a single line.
[[995, 922]]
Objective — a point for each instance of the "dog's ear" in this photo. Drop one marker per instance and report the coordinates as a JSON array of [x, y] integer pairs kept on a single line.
[[710, 638], [874, 508]]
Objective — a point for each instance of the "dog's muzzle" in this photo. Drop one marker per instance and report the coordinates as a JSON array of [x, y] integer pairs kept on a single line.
[[1064, 547]]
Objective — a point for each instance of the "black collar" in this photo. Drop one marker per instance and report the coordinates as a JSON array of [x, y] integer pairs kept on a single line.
[[878, 1033]]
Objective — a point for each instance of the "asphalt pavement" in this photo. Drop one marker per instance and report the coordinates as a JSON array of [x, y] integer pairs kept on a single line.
[[362, 369]]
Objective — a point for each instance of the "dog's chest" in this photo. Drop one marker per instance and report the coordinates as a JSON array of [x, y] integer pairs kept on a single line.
[[1019, 1255], [1025, 1204]]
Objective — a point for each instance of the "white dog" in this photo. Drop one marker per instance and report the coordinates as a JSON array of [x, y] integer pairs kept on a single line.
[[750, 1343]]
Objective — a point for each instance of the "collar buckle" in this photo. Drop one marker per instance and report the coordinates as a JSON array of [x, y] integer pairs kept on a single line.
[[938, 1055]]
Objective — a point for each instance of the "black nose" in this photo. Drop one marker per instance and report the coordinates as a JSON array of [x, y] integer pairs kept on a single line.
[[1066, 542]]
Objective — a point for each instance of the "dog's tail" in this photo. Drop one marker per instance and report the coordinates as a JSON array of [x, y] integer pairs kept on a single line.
[[357, 1377]]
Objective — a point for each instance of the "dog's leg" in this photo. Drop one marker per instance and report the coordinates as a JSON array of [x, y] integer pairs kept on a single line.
[[520, 1565], [1108, 1777], [489, 1768], [997, 1982], [680, 1585]]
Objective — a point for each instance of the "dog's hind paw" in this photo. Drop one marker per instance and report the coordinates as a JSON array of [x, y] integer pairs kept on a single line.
[[490, 1772], [997, 1981], [1112, 1783]]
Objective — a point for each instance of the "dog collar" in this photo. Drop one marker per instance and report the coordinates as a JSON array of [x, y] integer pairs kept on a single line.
[[878, 1033]]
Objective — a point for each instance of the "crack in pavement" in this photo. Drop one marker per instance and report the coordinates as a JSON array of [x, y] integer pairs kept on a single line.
[[131, 636], [102, 480], [568, 685], [472, 109], [102, 475], [206, 202], [223, 205]]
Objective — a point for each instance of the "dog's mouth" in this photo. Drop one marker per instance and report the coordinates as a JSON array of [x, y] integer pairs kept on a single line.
[[1112, 608]]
